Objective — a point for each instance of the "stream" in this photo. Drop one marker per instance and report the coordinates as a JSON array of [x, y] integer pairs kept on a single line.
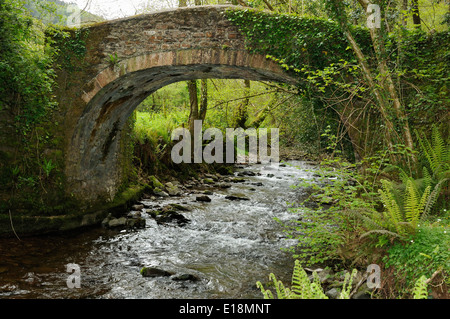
[[226, 247]]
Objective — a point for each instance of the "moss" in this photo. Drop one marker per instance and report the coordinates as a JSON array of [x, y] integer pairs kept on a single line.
[[155, 182]]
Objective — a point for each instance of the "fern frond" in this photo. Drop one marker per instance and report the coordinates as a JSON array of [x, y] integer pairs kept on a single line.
[[346, 288], [427, 179], [300, 282], [266, 293], [317, 291], [439, 148], [420, 290], [432, 198], [279, 287], [381, 231], [371, 222], [411, 204], [437, 153]]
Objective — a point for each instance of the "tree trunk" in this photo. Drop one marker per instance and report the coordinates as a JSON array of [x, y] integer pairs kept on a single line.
[[242, 111], [193, 102], [203, 99], [415, 12], [389, 129], [387, 84], [405, 13]]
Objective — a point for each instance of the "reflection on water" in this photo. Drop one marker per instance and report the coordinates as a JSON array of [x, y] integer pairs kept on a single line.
[[227, 246]]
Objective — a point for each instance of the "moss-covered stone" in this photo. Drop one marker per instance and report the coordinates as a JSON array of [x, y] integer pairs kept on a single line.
[[156, 183]]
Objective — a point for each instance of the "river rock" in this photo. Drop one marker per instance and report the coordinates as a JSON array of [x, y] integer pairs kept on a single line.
[[224, 185], [155, 182], [257, 184], [159, 192], [180, 207], [185, 277], [173, 191], [203, 198], [135, 220], [236, 197], [363, 292], [225, 170], [324, 275], [208, 181], [137, 207], [154, 272], [171, 217], [117, 222], [212, 176], [333, 293], [105, 221], [246, 173]]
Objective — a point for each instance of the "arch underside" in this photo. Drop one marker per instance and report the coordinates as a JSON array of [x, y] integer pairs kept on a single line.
[[116, 92]]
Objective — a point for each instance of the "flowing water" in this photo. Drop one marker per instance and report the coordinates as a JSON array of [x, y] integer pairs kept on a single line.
[[227, 245]]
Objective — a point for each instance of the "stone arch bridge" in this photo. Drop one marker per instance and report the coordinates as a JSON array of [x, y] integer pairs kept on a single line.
[[125, 61]]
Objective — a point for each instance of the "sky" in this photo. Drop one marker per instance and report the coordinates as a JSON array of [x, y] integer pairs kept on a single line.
[[113, 9]]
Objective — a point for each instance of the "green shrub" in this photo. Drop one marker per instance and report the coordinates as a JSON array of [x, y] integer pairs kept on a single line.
[[425, 252]]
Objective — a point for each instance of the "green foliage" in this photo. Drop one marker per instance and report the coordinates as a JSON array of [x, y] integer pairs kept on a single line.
[[48, 166], [437, 154], [26, 76], [70, 46], [299, 42], [425, 252], [157, 127], [302, 287], [420, 290], [113, 59], [403, 218], [324, 228]]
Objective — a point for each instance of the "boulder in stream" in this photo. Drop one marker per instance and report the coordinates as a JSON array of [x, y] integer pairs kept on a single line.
[[155, 272], [202, 198], [236, 197], [185, 277]]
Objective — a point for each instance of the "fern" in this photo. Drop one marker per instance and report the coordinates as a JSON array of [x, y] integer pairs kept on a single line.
[[427, 179], [437, 153], [420, 290], [403, 218], [413, 206], [301, 288], [346, 289], [266, 292], [433, 197], [392, 211]]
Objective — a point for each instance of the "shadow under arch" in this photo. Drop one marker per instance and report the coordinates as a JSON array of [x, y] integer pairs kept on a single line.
[[113, 95]]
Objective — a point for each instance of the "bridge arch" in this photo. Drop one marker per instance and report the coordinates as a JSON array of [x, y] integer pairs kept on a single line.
[[152, 51]]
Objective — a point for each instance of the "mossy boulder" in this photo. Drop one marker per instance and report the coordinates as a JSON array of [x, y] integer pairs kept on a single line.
[[155, 182]]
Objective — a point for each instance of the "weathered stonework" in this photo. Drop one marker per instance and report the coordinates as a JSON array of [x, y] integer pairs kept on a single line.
[[127, 60]]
